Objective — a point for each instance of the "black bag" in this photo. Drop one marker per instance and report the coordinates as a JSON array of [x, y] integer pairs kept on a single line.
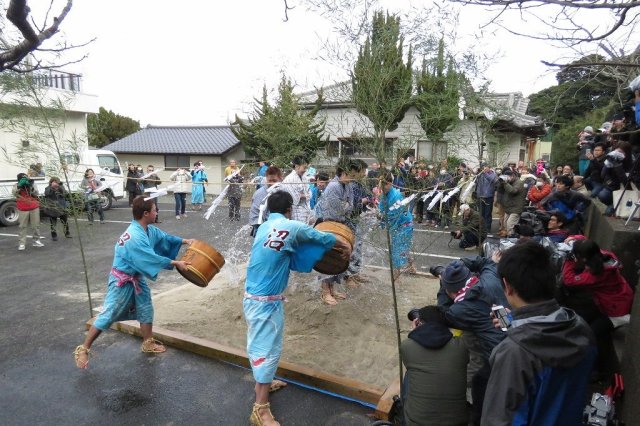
[[537, 220]]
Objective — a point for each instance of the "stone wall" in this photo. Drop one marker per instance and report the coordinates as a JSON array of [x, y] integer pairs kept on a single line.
[[624, 241]]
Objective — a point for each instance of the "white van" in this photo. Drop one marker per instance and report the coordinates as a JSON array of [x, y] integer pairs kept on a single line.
[[104, 163]]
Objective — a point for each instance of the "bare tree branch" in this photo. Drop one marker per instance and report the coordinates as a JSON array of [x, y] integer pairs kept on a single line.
[[592, 64], [614, 17], [18, 14], [287, 8]]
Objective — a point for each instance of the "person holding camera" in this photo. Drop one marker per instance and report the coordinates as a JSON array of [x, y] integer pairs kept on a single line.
[[434, 386], [472, 232], [152, 180], [584, 146], [181, 178], [131, 184], [513, 199], [92, 187], [466, 304], [593, 174], [56, 207], [234, 195], [540, 371], [617, 164], [568, 202], [28, 210]]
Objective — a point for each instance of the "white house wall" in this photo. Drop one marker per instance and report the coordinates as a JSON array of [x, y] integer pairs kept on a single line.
[[213, 166], [70, 136], [463, 140]]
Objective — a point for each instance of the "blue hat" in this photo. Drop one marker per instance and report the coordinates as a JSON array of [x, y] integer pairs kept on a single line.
[[455, 276]]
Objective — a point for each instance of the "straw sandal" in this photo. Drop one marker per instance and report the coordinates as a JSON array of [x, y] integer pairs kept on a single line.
[[276, 385], [338, 295], [327, 298], [255, 418], [153, 346], [352, 283], [80, 349], [361, 278]]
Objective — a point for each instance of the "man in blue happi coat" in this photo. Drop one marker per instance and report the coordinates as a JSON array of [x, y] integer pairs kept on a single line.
[[140, 253], [280, 245]]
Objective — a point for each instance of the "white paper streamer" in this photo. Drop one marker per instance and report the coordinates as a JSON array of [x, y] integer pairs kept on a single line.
[[403, 202], [150, 173], [263, 207], [159, 192], [215, 203], [450, 194], [435, 200], [468, 190], [430, 194]]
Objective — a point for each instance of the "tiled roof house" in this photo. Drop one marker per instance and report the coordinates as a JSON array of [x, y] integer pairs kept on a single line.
[[170, 147], [514, 135]]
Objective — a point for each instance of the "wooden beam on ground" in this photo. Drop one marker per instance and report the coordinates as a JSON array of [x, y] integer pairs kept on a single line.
[[308, 376], [383, 409]]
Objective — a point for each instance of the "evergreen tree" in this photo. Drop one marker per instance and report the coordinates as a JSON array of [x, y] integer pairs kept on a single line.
[[382, 82], [586, 95], [106, 127], [281, 131], [438, 95]]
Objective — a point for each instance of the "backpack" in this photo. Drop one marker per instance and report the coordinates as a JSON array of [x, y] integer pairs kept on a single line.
[[537, 220]]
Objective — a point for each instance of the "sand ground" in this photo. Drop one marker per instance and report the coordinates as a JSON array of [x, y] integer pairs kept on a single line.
[[356, 338]]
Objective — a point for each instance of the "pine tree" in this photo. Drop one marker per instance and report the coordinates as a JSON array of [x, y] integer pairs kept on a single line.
[[382, 82], [281, 131]]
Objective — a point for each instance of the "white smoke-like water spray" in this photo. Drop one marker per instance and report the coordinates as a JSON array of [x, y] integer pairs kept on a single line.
[[215, 203]]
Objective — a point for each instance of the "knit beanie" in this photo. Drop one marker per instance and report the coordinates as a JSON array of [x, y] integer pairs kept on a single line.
[[455, 276]]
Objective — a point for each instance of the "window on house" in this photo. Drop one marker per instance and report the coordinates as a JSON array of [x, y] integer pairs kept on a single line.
[[25, 143], [355, 147], [176, 161]]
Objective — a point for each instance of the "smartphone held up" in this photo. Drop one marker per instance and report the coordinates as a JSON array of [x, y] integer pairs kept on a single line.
[[503, 316]]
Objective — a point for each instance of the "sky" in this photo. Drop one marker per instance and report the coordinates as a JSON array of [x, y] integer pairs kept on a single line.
[[202, 62]]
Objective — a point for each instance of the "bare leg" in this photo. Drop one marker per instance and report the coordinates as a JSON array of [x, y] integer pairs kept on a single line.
[[148, 342], [82, 356], [325, 293], [262, 397]]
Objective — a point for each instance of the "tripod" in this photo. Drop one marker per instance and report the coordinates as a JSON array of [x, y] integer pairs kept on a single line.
[[634, 169]]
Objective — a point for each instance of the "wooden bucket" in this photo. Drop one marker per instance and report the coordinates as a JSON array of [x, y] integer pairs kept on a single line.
[[206, 262], [332, 263]]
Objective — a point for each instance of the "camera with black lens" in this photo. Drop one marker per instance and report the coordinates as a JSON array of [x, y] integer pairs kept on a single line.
[[436, 271], [413, 314]]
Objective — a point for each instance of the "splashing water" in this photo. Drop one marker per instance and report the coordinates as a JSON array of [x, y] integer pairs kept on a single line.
[[215, 203], [236, 257]]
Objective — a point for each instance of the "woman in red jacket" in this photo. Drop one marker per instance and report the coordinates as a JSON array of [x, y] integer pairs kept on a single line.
[[28, 210], [597, 272], [539, 191]]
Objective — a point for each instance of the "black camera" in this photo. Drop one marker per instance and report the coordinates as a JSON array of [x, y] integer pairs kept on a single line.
[[413, 314], [436, 271]]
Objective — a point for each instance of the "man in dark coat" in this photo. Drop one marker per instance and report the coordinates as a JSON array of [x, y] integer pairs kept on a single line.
[[434, 386]]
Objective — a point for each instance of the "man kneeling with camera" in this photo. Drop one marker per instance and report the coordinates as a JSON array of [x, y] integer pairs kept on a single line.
[[434, 387], [472, 232]]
